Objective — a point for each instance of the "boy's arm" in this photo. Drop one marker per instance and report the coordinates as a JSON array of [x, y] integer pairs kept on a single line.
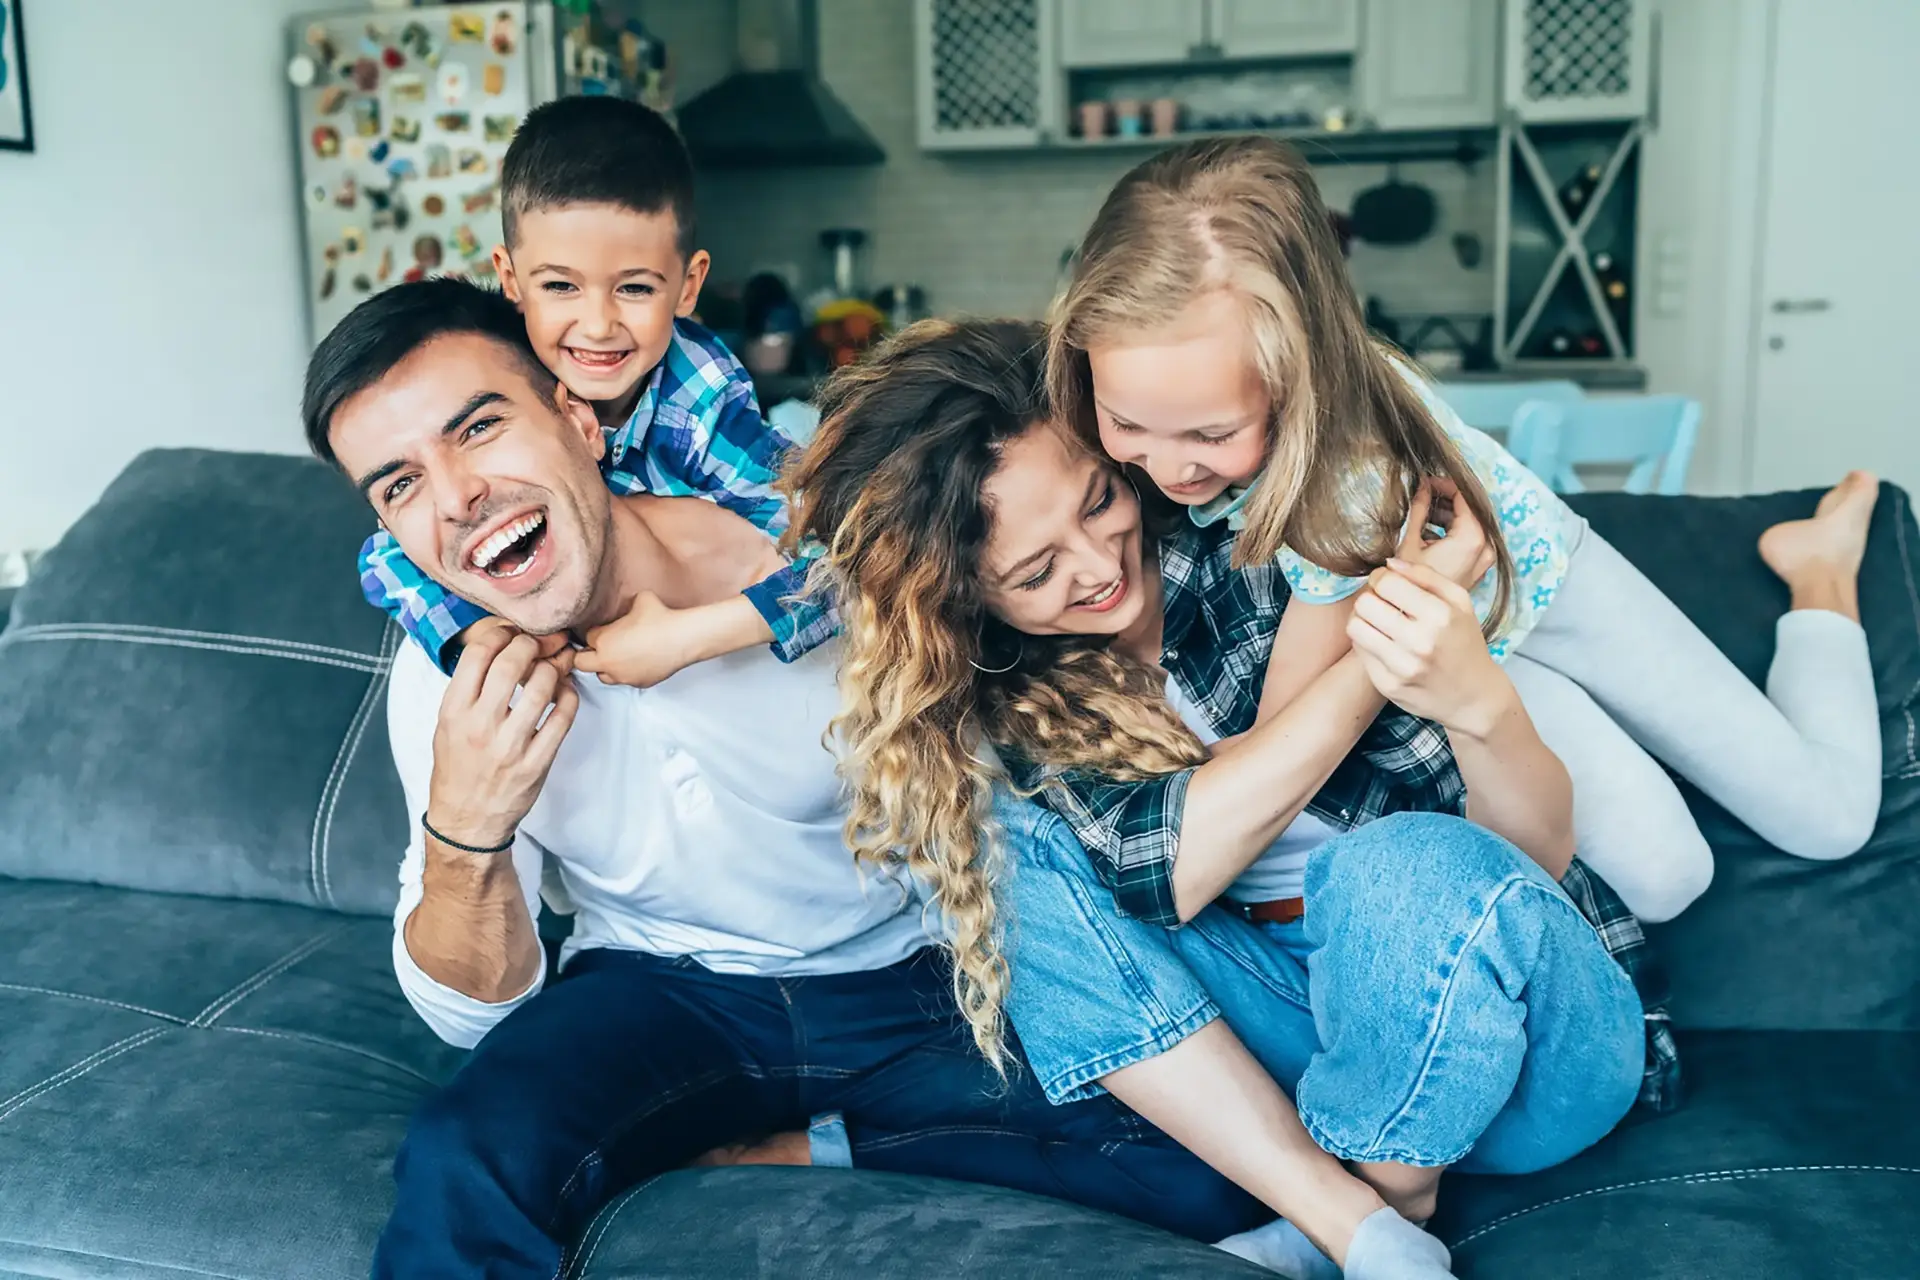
[[426, 610]]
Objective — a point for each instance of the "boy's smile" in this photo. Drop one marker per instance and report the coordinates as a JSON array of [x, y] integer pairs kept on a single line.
[[600, 286]]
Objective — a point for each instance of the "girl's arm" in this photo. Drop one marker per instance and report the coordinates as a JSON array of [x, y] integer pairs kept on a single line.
[[1416, 633]]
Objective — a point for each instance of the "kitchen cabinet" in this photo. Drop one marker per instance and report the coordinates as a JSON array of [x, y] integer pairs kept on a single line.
[[1131, 33], [987, 73], [1282, 28], [1430, 64]]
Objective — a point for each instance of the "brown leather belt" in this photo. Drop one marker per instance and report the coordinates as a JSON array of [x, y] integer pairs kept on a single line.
[[1278, 911]]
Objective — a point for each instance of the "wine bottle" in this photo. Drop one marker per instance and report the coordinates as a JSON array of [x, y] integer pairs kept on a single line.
[[1559, 343], [1578, 190], [1614, 287]]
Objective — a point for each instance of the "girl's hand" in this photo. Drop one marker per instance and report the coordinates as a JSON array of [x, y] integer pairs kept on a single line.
[[1417, 636], [1464, 555]]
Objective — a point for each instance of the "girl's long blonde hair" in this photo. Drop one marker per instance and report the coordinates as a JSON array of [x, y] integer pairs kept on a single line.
[[891, 486], [1243, 215]]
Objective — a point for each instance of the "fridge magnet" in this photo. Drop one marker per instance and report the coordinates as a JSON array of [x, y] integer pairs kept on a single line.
[[407, 91], [331, 253], [466, 26], [379, 151], [478, 201], [319, 195], [465, 243], [332, 98], [453, 83], [361, 284], [400, 169], [501, 128], [379, 201], [385, 268], [472, 160], [503, 33], [327, 279], [352, 241], [322, 44], [392, 59], [481, 269], [404, 129], [494, 79], [347, 193], [326, 142], [427, 254], [453, 121], [301, 71], [355, 149], [366, 75], [366, 117], [434, 205], [439, 160]]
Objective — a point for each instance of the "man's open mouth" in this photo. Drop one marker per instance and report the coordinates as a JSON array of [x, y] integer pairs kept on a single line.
[[508, 552]]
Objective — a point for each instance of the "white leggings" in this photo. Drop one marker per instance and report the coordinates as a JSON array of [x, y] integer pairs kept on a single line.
[[1615, 676]]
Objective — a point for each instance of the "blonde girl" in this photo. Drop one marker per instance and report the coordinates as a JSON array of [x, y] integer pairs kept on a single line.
[[1209, 338]]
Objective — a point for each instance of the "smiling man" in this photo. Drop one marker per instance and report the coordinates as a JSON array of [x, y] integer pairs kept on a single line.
[[731, 974]]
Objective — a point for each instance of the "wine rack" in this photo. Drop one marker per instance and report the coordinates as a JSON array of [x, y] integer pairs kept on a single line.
[[1567, 223]]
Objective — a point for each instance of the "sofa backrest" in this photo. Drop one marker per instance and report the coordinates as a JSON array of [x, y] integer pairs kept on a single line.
[[192, 692], [1778, 941]]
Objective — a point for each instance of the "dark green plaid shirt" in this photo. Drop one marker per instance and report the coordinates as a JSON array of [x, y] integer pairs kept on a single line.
[[1219, 629]]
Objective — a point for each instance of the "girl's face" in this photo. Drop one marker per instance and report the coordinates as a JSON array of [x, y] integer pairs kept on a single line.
[[1063, 553], [1185, 403]]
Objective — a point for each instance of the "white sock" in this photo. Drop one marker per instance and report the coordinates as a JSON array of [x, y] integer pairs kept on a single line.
[[1279, 1246], [1388, 1247]]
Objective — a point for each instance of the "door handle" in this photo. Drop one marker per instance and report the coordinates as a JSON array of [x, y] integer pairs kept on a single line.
[[1800, 306]]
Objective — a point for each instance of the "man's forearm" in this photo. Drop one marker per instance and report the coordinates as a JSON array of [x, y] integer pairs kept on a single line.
[[1238, 803], [472, 931]]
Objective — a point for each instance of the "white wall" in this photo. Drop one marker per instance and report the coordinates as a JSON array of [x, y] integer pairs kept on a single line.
[[150, 284]]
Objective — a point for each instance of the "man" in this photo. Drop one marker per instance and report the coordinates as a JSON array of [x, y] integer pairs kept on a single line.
[[731, 974]]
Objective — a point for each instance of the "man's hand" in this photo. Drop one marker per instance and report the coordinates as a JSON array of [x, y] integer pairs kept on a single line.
[[654, 640], [1464, 555], [550, 645], [1416, 634], [492, 751]]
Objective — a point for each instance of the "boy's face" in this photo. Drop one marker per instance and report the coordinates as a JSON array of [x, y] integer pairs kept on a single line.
[[600, 286]]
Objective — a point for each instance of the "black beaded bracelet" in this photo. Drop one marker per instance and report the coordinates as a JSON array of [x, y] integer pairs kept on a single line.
[[464, 848]]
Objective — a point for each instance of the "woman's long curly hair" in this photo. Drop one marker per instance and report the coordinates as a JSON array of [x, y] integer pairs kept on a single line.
[[891, 486]]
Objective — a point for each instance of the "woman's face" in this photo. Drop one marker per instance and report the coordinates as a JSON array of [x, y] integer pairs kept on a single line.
[[1063, 552]]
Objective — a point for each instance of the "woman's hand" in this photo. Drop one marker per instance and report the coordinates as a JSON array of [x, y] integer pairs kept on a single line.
[[1417, 636]]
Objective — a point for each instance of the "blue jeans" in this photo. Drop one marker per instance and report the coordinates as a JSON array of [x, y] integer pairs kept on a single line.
[[1441, 1002], [631, 1065]]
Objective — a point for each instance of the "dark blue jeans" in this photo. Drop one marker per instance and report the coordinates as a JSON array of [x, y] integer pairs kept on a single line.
[[631, 1065]]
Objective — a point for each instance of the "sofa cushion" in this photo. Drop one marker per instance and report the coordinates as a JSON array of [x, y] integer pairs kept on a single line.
[[192, 692], [197, 1087], [1798, 1154], [1778, 941]]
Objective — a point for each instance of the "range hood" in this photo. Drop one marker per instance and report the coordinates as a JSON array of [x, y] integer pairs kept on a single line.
[[775, 110]]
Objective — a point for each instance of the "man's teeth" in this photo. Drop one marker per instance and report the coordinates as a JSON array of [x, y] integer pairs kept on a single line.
[[490, 550], [1101, 596]]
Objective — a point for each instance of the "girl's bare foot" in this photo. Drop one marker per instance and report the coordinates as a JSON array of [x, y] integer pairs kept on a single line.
[[1819, 557]]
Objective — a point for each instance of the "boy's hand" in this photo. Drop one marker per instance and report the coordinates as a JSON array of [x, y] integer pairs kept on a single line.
[[652, 642]]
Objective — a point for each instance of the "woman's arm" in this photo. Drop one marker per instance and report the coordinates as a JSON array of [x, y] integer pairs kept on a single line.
[[1416, 633]]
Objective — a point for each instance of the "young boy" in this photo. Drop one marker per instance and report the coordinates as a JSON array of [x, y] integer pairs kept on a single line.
[[597, 210]]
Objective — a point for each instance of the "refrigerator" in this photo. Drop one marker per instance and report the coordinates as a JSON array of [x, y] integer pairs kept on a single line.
[[403, 117]]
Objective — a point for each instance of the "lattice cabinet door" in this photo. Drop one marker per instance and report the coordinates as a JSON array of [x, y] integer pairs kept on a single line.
[[1579, 59], [988, 73]]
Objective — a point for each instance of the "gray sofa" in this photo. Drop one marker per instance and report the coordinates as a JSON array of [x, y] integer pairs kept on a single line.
[[205, 1065]]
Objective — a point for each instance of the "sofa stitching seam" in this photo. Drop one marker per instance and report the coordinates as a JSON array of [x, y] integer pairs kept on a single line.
[[330, 1043], [43, 635], [320, 873], [602, 1225], [222, 1005], [149, 631], [75, 995], [78, 1069], [1722, 1175], [1913, 604]]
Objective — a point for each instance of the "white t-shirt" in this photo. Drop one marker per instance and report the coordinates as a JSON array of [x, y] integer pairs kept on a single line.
[[701, 817], [1280, 872]]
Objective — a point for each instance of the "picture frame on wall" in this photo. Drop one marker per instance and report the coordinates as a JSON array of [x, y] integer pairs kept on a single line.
[[16, 111]]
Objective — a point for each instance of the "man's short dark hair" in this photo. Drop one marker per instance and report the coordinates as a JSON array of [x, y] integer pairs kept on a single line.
[[597, 150], [388, 327]]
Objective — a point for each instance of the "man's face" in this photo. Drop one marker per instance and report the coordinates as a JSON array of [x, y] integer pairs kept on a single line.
[[488, 484], [600, 287]]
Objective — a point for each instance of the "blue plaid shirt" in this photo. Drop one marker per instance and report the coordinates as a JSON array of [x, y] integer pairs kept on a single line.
[[696, 431], [1217, 636]]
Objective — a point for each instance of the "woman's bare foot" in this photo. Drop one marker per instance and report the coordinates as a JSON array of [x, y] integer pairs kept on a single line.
[[1819, 557], [781, 1148]]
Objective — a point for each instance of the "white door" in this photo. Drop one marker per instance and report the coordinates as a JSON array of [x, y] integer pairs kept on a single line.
[[1839, 293], [1120, 33]]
